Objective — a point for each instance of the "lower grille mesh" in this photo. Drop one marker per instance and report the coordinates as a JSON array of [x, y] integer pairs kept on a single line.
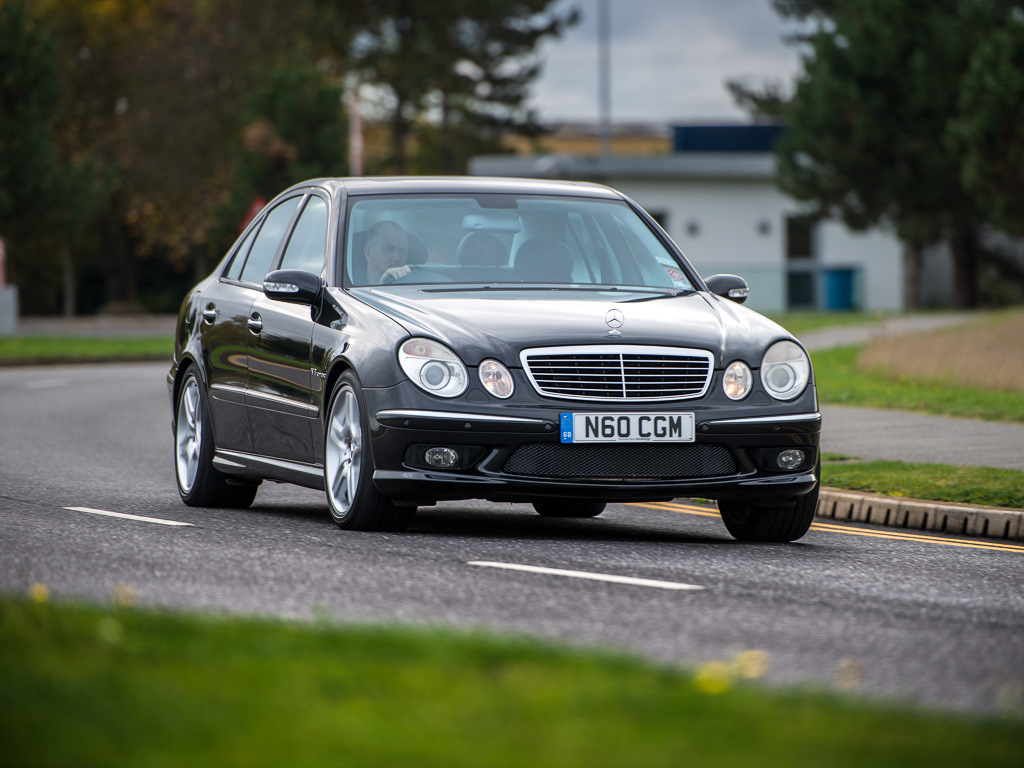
[[643, 460]]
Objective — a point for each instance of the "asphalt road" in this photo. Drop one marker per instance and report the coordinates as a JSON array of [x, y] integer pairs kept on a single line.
[[933, 619]]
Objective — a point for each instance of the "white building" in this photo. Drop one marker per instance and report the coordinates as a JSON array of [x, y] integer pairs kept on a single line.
[[723, 209]]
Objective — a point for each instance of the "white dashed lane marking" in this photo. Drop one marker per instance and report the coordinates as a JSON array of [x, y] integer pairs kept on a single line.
[[587, 575], [125, 516]]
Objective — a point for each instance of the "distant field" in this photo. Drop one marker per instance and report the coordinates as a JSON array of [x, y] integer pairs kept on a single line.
[[988, 354], [972, 371]]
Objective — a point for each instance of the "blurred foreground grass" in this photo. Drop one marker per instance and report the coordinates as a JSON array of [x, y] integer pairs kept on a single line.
[[125, 687], [32, 350]]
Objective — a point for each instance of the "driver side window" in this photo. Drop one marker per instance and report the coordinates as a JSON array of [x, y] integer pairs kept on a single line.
[[267, 241]]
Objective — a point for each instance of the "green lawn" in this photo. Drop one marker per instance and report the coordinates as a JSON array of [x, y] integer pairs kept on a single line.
[[841, 381], [89, 686], [935, 482], [31, 350]]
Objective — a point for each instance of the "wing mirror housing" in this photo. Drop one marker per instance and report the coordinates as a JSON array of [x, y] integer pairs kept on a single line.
[[293, 286], [731, 287]]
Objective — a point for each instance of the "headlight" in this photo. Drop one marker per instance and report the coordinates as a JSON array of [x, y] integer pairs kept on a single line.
[[496, 378], [785, 370], [433, 367], [737, 380]]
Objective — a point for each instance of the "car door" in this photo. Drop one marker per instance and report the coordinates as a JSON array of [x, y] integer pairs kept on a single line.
[[279, 398], [222, 332]]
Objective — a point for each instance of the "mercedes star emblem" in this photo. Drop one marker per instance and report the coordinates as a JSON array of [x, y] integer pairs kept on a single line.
[[614, 319]]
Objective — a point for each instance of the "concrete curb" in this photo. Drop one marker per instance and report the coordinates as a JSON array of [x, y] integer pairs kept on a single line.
[[938, 516]]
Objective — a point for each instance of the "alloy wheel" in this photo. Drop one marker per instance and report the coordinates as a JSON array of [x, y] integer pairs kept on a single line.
[[188, 434]]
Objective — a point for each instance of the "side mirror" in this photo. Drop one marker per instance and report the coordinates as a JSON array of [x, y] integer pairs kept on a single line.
[[729, 286], [293, 286]]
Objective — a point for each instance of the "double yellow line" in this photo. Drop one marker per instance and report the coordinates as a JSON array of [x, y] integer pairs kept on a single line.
[[850, 530]]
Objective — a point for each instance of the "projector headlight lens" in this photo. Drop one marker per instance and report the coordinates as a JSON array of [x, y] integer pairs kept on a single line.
[[785, 370], [432, 367]]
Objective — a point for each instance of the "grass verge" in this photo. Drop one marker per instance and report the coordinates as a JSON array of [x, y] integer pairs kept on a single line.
[[935, 482], [92, 686], [34, 350], [841, 381], [802, 322]]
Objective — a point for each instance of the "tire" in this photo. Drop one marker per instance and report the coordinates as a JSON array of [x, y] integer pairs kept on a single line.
[[199, 484], [353, 500], [782, 521], [569, 508]]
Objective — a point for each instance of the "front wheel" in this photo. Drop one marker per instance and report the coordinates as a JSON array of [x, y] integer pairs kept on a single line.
[[354, 501], [783, 521], [569, 508]]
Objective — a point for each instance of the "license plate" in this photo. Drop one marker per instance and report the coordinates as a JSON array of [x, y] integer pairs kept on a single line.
[[627, 427]]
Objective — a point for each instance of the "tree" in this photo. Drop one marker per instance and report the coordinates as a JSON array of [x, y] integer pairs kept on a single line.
[[988, 133], [28, 89], [46, 200], [466, 63], [151, 99], [869, 122]]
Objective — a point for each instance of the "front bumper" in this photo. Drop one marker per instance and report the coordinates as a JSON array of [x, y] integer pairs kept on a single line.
[[491, 440]]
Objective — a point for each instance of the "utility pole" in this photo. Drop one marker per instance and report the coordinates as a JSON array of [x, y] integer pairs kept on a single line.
[[604, 75], [355, 129]]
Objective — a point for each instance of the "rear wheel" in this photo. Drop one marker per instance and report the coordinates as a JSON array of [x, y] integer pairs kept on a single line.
[[199, 484], [782, 521], [569, 508], [352, 498]]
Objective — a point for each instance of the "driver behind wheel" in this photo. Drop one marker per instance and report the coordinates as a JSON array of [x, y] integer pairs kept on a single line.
[[387, 253]]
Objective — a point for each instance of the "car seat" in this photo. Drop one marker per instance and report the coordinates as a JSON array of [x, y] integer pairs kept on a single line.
[[543, 260]]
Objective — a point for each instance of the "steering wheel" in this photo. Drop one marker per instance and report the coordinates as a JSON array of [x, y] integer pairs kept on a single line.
[[390, 279]]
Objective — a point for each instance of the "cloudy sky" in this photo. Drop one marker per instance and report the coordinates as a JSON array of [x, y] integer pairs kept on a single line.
[[670, 59]]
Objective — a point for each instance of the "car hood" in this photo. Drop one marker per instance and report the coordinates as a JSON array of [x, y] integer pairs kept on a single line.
[[500, 323]]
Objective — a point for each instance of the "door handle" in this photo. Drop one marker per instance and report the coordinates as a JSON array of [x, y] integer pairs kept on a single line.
[[255, 322], [210, 313]]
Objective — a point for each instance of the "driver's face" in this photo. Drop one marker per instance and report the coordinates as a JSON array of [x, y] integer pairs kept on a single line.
[[389, 249]]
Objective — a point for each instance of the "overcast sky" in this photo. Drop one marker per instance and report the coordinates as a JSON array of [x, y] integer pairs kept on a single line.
[[670, 59]]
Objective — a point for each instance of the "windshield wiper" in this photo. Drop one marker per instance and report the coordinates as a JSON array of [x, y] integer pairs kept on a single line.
[[660, 293]]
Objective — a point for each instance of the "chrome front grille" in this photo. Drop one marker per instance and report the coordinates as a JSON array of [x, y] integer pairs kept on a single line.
[[618, 372]]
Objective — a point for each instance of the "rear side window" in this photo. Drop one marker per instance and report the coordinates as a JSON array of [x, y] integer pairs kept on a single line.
[[235, 270], [308, 242], [267, 241]]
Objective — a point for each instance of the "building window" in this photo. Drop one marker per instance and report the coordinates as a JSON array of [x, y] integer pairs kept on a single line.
[[801, 289], [799, 237], [661, 217]]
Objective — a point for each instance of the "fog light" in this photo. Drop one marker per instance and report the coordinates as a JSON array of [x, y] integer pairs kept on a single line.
[[442, 458], [790, 459]]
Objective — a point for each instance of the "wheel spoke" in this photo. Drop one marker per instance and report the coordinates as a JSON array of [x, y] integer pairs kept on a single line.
[[191, 396], [340, 480], [343, 451]]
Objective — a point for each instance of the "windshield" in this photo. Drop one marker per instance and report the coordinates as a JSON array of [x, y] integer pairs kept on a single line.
[[506, 239]]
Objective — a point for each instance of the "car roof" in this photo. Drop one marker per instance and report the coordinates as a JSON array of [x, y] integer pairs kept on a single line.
[[391, 185]]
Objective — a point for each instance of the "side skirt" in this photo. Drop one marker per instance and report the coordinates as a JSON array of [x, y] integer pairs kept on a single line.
[[253, 467]]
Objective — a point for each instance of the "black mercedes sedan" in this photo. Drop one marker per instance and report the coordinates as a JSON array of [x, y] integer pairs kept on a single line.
[[400, 341]]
